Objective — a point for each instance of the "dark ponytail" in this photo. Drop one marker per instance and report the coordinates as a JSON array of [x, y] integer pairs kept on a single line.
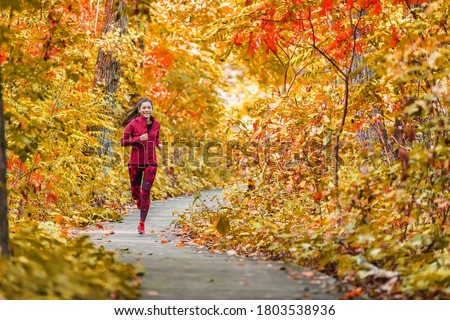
[[134, 112]]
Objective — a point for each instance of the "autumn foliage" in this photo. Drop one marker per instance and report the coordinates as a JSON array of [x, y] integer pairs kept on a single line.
[[343, 149], [346, 163], [58, 173]]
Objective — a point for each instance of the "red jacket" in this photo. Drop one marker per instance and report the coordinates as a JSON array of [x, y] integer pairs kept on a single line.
[[142, 152]]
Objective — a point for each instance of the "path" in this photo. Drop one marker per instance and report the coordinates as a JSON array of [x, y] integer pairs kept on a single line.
[[192, 272]]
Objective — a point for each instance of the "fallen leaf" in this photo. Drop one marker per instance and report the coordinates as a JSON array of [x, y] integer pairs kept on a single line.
[[181, 245], [244, 282], [388, 286], [137, 282], [352, 294], [164, 241], [309, 274], [152, 293]]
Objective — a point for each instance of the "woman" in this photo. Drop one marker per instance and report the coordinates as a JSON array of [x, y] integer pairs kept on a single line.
[[142, 134]]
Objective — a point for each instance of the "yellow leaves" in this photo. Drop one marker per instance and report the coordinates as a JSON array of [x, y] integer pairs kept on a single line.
[[223, 225], [289, 188], [84, 271]]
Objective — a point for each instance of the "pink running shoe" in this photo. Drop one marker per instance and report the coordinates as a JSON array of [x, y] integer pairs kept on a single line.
[[141, 228]]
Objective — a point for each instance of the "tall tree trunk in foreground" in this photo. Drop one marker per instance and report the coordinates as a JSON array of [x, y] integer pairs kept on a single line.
[[4, 232], [107, 69]]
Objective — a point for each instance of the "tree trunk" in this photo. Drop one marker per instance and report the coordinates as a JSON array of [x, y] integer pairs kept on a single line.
[[107, 68], [4, 232]]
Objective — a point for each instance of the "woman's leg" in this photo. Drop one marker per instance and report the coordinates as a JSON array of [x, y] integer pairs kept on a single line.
[[147, 183], [135, 172]]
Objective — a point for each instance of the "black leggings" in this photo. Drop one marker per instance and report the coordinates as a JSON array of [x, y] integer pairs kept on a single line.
[[141, 179]]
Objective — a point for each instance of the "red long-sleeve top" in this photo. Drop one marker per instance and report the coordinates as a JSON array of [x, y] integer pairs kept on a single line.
[[142, 152]]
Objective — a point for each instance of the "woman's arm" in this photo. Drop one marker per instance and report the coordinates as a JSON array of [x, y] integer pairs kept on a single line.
[[127, 136], [158, 142]]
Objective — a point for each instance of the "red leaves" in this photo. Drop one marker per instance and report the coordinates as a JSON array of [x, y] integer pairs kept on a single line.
[[377, 8], [327, 5], [51, 196], [374, 4], [264, 30], [3, 57], [394, 38], [404, 159], [352, 294], [317, 197], [239, 38], [53, 18]]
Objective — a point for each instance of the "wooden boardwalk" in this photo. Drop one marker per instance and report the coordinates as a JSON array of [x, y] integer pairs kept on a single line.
[[191, 272]]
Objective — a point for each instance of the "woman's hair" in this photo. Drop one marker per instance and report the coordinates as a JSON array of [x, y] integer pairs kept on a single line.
[[134, 112]]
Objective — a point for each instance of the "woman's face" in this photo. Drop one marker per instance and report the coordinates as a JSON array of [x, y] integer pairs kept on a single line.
[[146, 109]]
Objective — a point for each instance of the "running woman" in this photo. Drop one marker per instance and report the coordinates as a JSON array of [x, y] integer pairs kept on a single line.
[[142, 134]]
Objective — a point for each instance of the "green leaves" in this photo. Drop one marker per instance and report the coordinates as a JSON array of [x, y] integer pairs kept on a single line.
[[19, 5], [223, 225]]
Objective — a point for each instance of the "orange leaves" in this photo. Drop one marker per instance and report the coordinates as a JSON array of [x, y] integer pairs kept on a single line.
[[239, 37], [327, 5], [352, 294], [100, 226], [263, 32], [394, 38], [51, 196], [377, 7], [271, 27], [373, 5], [317, 197], [161, 56], [53, 18], [3, 57]]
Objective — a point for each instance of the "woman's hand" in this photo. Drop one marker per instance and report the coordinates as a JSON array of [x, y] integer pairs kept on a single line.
[[144, 137]]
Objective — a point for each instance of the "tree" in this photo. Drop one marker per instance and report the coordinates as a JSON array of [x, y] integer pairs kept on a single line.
[[107, 69], [4, 234]]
